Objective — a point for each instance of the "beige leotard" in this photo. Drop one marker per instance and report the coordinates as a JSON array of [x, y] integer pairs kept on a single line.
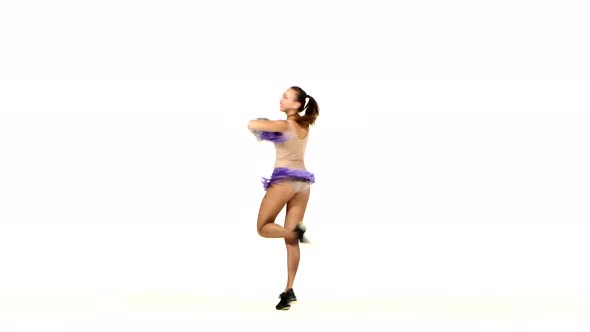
[[291, 153]]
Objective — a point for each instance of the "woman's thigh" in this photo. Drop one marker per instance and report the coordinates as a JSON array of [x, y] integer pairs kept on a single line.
[[275, 199]]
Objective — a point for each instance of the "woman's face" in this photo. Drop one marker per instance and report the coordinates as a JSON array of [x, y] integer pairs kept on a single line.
[[288, 101]]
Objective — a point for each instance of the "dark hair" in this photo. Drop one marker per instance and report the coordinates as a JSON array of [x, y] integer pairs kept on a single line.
[[311, 108]]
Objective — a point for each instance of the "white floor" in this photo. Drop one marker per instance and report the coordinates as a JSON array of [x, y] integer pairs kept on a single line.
[[191, 312]]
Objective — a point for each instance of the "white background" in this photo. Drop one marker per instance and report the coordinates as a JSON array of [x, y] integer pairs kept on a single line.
[[451, 153]]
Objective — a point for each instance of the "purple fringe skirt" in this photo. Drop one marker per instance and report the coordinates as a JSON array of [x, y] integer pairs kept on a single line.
[[282, 173]]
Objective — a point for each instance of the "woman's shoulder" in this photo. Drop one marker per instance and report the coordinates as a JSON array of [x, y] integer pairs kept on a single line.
[[300, 130]]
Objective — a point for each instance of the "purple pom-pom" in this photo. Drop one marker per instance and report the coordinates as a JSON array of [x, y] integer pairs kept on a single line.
[[275, 137]]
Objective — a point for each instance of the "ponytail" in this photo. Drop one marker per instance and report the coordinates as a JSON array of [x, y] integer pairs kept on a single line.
[[309, 105], [312, 111]]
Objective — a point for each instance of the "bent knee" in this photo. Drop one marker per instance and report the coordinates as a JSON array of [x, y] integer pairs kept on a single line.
[[292, 241], [260, 229]]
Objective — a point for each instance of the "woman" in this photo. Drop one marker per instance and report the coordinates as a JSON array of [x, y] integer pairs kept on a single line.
[[290, 181]]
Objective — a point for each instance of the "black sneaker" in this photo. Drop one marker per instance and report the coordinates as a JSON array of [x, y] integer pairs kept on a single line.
[[287, 298], [300, 229]]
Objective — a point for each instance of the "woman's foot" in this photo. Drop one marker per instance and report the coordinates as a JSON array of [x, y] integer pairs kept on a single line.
[[300, 229], [287, 298]]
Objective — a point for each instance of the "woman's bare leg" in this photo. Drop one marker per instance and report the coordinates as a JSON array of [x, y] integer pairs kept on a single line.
[[277, 195], [295, 213]]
